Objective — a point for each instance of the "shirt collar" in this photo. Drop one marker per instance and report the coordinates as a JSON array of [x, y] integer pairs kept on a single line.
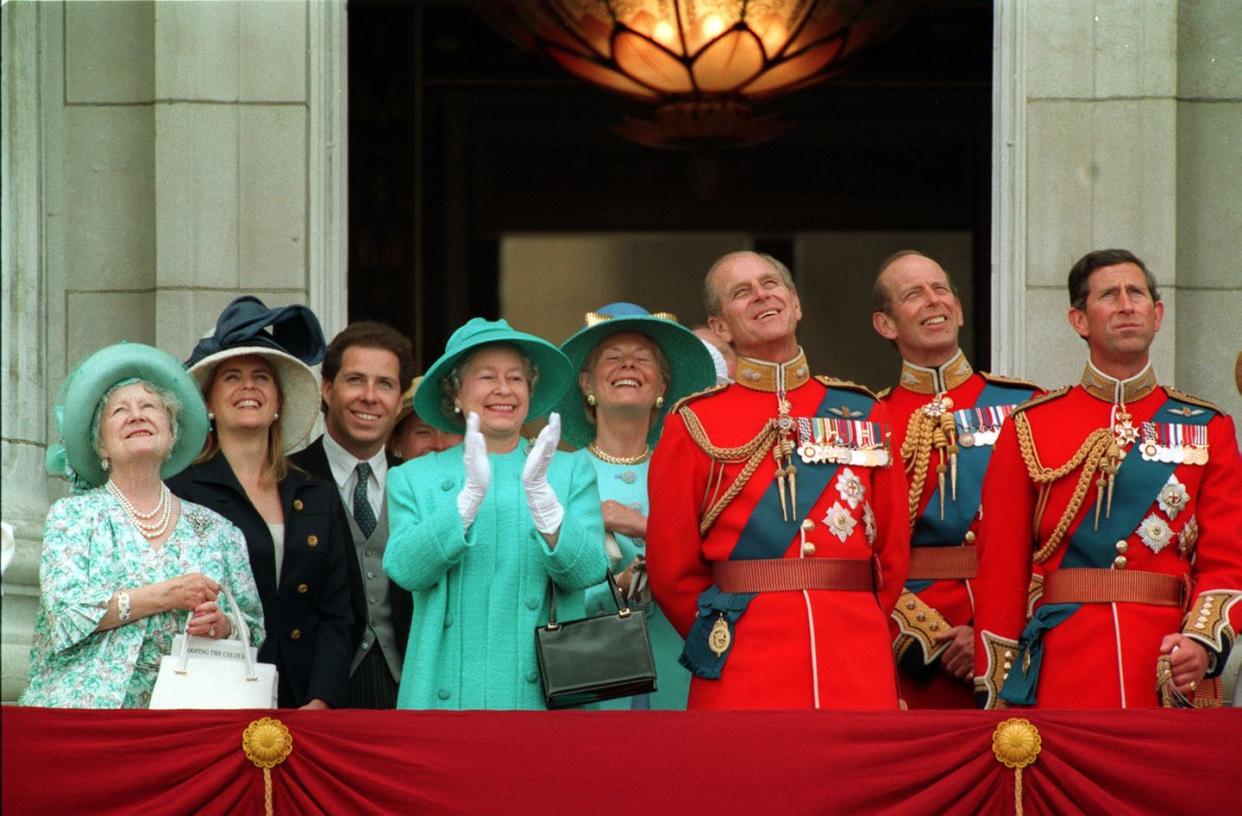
[[343, 463], [1119, 392], [761, 375], [923, 380]]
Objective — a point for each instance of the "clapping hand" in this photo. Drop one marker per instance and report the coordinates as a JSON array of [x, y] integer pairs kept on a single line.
[[544, 507], [478, 472]]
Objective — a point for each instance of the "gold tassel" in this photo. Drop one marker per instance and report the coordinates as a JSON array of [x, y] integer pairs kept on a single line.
[[940, 469], [1099, 499], [949, 430]]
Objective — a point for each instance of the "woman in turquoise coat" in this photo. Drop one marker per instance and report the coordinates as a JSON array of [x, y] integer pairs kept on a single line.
[[479, 530], [633, 366]]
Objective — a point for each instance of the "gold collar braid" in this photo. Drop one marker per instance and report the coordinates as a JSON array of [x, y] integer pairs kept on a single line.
[[760, 375], [1120, 392], [923, 380]]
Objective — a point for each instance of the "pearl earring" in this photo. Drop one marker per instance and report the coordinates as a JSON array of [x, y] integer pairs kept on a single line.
[[590, 399], [105, 464], [211, 416], [276, 416], [457, 409], [659, 402]]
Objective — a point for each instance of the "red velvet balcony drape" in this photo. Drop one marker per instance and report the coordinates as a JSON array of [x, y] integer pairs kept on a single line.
[[346, 762]]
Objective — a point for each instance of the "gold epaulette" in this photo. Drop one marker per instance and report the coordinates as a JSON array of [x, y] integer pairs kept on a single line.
[[712, 389], [845, 385], [1040, 400], [1003, 380], [1192, 399], [881, 394]]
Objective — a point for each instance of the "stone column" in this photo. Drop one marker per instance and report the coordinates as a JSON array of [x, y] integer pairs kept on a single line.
[[159, 160], [22, 350]]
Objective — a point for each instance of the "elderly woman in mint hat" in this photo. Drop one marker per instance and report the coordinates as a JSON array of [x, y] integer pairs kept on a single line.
[[479, 530], [124, 562], [254, 372], [632, 367]]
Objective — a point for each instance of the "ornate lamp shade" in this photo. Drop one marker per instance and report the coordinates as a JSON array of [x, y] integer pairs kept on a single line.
[[704, 63]]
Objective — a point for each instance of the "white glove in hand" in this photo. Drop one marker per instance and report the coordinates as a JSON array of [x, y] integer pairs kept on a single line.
[[478, 472], [544, 508]]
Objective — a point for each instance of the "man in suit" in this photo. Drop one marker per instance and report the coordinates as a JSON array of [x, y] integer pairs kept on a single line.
[[365, 371]]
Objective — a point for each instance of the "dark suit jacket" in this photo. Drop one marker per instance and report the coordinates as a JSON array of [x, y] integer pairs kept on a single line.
[[308, 617], [314, 461]]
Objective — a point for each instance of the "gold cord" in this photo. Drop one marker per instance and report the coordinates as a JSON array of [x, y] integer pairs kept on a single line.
[[1090, 454], [916, 451], [753, 453]]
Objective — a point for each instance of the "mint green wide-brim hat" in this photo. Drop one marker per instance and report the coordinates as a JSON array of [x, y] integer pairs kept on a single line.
[[555, 372], [75, 456], [690, 366]]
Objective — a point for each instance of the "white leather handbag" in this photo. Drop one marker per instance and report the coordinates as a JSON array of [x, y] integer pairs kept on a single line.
[[209, 673]]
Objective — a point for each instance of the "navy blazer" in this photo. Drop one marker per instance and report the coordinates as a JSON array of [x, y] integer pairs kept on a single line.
[[314, 461], [308, 617]]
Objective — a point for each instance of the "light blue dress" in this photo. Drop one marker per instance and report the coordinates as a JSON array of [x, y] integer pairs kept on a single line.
[[91, 549], [627, 484], [480, 593]]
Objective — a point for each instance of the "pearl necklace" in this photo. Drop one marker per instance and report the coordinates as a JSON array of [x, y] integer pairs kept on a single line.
[[619, 460], [163, 509]]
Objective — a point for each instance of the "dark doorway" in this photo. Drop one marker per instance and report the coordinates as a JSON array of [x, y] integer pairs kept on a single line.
[[458, 138]]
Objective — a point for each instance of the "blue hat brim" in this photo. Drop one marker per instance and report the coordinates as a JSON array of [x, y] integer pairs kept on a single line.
[[87, 384], [690, 370], [555, 371]]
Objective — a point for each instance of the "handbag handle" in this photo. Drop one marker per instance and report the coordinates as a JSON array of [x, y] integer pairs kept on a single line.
[[623, 609], [184, 657]]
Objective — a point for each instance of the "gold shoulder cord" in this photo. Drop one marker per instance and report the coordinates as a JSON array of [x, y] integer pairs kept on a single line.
[[924, 432], [916, 454], [752, 453], [1093, 450]]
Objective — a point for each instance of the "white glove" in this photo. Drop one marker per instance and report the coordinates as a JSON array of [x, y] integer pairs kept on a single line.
[[544, 508], [478, 472]]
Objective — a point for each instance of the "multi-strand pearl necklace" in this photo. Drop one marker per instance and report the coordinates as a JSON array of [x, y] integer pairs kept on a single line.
[[163, 509]]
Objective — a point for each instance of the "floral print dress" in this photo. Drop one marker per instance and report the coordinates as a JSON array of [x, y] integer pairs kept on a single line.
[[91, 549]]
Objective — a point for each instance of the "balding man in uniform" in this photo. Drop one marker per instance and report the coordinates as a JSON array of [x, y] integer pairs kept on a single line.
[[777, 540]]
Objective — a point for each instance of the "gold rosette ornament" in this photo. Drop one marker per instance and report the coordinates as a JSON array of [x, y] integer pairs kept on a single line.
[[267, 743], [1016, 744]]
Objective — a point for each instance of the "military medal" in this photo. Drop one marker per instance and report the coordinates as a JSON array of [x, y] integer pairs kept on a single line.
[[718, 639], [966, 440]]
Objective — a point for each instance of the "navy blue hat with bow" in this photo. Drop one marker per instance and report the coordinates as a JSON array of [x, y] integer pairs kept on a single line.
[[247, 321], [288, 337]]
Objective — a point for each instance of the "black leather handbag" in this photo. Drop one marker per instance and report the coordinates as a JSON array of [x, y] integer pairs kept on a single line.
[[596, 658]]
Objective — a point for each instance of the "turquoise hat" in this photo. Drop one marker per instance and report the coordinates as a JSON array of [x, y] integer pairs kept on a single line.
[[690, 366], [74, 457], [555, 372]]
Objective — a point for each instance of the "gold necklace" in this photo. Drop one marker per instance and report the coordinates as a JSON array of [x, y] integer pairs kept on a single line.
[[619, 460]]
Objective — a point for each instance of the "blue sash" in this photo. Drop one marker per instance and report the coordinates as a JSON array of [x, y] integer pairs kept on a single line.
[[972, 463], [1138, 483], [766, 535]]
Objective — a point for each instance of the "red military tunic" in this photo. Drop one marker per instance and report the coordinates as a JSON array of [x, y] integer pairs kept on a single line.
[[1105, 653], [932, 603], [789, 649]]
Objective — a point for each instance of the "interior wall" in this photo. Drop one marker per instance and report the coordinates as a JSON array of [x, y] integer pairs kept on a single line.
[[548, 282]]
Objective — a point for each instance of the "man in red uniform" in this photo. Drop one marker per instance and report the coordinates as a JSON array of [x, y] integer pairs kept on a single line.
[[777, 539], [945, 416], [1123, 512]]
